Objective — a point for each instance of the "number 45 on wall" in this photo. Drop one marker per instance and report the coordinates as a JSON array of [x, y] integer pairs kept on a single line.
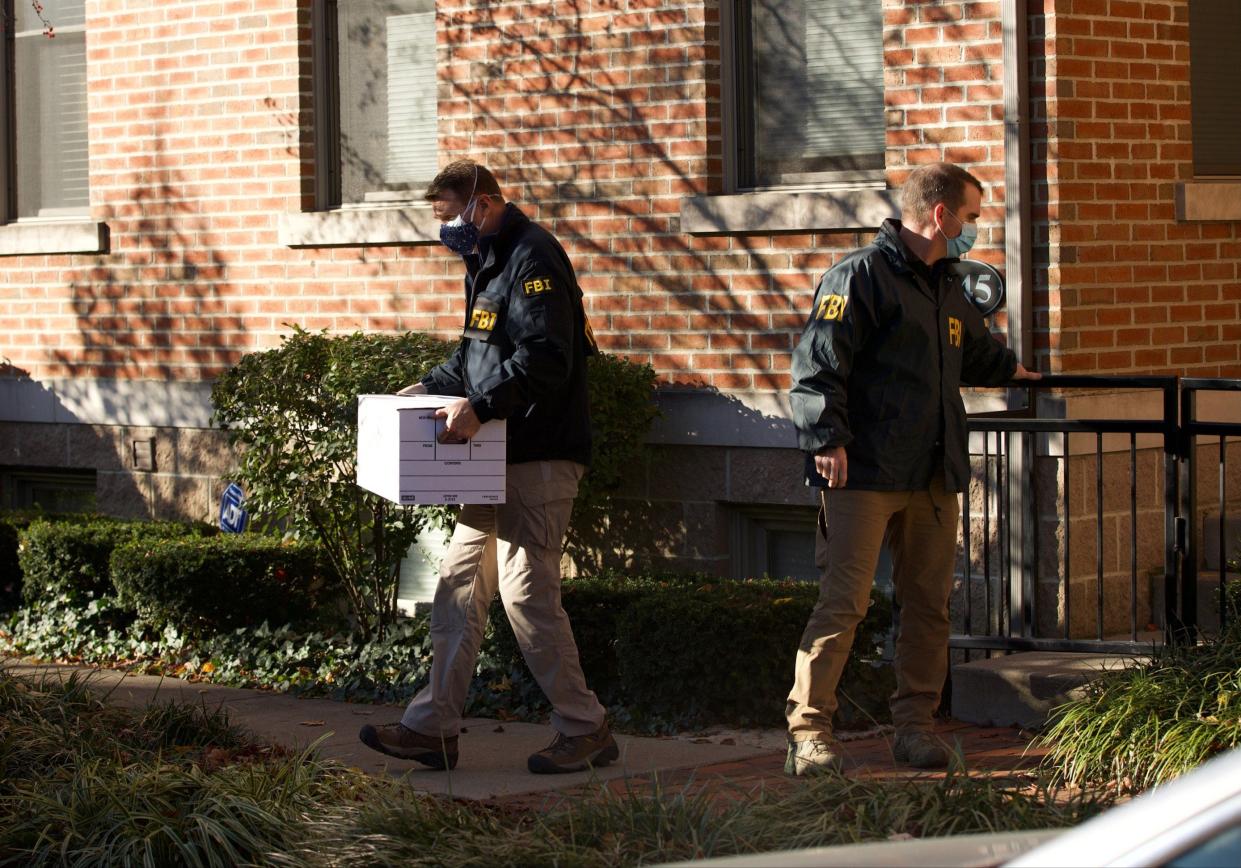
[[982, 284]]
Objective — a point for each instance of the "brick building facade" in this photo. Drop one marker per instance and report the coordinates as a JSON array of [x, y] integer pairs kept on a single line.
[[701, 165]]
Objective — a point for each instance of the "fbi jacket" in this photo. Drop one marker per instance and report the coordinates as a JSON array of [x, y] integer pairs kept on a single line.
[[879, 367], [522, 355]]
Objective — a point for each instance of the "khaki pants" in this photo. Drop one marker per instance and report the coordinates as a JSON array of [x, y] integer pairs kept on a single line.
[[514, 546], [920, 529]]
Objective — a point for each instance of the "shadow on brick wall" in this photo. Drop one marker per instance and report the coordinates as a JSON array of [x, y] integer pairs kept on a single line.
[[155, 308]]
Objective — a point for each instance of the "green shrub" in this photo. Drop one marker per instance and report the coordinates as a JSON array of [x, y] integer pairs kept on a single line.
[[11, 526], [293, 410], [622, 408], [692, 649], [206, 585], [71, 556]]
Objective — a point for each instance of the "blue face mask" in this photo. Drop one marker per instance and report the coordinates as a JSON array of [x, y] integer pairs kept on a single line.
[[459, 235], [959, 246]]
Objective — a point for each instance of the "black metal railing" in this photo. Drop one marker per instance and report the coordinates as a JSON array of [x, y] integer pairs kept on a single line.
[[1193, 430], [1016, 447]]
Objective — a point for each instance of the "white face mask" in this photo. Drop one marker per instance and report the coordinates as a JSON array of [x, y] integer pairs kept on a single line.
[[959, 246]]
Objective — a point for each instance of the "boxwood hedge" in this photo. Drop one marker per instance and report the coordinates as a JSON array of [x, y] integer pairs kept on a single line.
[[70, 555], [203, 585], [696, 648]]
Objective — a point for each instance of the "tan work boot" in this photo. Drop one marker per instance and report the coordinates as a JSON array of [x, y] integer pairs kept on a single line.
[[812, 756], [575, 753], [398, 740], [920, 749]]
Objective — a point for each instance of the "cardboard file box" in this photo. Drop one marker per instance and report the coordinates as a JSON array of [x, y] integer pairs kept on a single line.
[[400, 456]]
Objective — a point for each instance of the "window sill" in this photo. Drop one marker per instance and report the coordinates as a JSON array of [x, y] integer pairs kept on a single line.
[[787, 211], [60, 235], [356, 227], [1201, 201]]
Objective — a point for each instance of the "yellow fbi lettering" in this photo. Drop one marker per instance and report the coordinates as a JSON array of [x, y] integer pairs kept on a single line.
[[537, 285], [832, 307], [954, 331], [484, 320]]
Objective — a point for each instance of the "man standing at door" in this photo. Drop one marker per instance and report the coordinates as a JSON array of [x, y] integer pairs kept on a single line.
[[522, 358], [877, 406]]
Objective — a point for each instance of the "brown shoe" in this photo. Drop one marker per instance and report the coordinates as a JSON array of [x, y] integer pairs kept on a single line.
[[398, 740], [920, 749], [575, 753]]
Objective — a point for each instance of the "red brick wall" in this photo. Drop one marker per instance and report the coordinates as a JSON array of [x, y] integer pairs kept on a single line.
[[1124, 287], [943, 86], [600, 117]]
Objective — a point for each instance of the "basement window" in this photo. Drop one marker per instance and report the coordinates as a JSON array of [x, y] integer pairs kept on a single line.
[[51, 490], [776, 542]]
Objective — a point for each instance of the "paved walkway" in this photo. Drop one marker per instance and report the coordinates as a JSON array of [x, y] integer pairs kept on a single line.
[[493, 754]]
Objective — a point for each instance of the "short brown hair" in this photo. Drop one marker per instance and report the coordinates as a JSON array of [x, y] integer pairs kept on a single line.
[[462, 177], [933, 183]]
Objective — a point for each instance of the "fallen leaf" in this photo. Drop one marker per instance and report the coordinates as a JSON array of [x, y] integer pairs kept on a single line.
[[313, 722], [499, 729]]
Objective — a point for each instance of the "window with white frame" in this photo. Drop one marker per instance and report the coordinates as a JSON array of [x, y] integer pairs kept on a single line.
[[1215, 101], [807, 92], [376, 62], [49, 168]]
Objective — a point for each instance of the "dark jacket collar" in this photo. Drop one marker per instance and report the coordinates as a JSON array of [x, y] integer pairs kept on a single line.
[[904, 260], [499, 242]]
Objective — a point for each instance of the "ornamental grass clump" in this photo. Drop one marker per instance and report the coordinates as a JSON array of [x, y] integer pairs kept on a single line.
[[83, 782], [1152, 722], [647, 826]]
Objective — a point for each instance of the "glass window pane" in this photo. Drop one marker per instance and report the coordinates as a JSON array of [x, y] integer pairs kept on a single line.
[[1215, 101], [61, 14], [387, 96], [818, 88], [790, 555], [50, 107]]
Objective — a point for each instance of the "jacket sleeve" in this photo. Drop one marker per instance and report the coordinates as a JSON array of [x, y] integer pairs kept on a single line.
[[539, 321], [446, 379], [837, 327], [984, 360]]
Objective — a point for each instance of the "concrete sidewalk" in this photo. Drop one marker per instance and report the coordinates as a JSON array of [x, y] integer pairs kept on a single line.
[[493, 754]]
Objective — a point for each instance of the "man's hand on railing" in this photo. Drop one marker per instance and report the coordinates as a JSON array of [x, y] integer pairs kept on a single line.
[[1022, 374]]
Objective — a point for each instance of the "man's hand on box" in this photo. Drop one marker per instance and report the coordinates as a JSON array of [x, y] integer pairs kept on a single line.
[[415, 389], [460, 421]]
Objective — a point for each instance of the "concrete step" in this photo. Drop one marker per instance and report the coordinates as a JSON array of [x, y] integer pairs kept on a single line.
[[1022, 689]]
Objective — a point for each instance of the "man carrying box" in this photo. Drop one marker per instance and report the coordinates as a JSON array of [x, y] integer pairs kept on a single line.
[[522, 358]]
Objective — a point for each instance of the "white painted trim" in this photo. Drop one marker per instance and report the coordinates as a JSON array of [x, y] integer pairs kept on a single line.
[[1198, 201], [788, 211], [145, 403], [53, 236], [413, 224]]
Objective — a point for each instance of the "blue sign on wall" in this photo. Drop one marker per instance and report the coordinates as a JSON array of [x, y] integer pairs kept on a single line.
[[233, 515]]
